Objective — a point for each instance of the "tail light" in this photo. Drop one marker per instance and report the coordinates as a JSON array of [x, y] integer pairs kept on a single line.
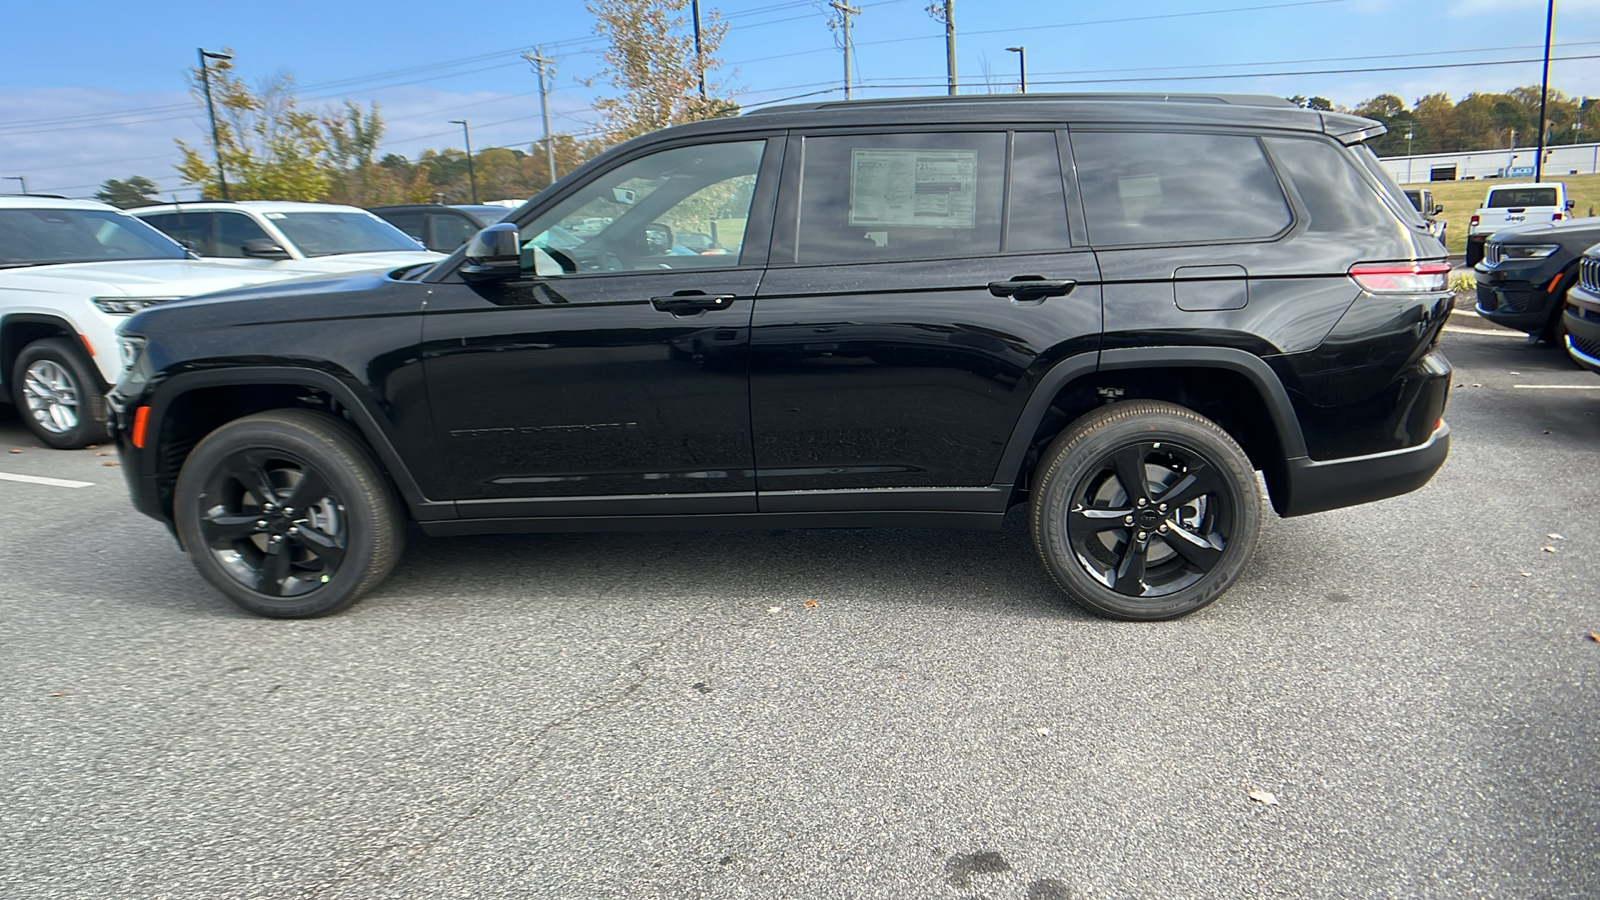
[[1401, 277], [1475, 221], [1556, 217]]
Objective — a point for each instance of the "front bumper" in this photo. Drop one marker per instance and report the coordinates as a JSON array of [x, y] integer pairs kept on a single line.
[[1518, 296], [1583, 328]]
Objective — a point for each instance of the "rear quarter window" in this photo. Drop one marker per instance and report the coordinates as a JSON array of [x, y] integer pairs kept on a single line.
[[1335, 196], [1147, 187]]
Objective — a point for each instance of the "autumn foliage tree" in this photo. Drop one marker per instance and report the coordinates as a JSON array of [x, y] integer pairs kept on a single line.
[[652, 63], [271, 149]]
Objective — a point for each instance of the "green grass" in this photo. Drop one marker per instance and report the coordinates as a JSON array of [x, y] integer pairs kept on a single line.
[[1460, 200]]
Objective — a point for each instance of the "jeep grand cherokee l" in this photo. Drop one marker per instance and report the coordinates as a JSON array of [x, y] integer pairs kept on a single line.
[[1526, 272], [1115, 309]]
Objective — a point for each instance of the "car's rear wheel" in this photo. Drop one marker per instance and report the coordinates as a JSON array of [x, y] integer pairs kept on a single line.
[[1145, 510], [59, 394], [288, 514]]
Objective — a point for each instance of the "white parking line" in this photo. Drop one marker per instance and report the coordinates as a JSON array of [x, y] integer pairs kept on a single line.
[[39, 479], [1558, 387], [1503, 332]]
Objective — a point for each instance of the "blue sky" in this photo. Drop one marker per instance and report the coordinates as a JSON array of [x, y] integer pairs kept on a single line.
[[95, 90]]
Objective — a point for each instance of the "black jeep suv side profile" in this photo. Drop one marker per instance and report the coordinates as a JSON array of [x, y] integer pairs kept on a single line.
[[1117, 309]]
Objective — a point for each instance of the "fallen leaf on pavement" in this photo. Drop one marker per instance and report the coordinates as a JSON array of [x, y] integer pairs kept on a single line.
[[1513, 373], [109, 464], [1555, 537], [811, 604], [774, 609], [1548, 549], [1265, 798], [1527, 574], [15, 450], [1043, 731], [1593, 637]]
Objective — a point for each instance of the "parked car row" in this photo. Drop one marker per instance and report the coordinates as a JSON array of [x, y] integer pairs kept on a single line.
[[1544, 278]]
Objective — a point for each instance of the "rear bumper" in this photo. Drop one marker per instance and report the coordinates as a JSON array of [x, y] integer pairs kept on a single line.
[[1332, 484]]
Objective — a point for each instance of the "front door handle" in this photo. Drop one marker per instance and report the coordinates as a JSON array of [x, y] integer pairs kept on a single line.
[[685, 303], [1031, 287]]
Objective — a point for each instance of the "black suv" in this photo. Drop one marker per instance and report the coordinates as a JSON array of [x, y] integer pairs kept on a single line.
[[1582, 322], [1526, 272], [1116, 309]]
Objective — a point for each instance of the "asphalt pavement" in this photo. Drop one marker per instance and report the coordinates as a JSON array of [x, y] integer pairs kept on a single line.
[[1406, 688]]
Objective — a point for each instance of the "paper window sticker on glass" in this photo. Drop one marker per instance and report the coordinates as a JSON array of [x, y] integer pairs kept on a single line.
[[1139, 194], [913, 188]]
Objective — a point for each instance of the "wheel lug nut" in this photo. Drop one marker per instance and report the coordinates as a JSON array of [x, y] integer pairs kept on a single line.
[[262, 523], [1162, 507], [1143, 501], [1163, 529], [293, 530], [1143, 535], [1127, 520]]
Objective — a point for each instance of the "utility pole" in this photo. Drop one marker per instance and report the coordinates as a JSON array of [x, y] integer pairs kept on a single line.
[[472, 177], [947, 15], [1544, 90], [844, 13], [537, 59], [216, 140], [699, 66]]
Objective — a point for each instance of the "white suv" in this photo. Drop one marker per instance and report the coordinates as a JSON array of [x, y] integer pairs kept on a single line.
[[323, 238], [70, 272]]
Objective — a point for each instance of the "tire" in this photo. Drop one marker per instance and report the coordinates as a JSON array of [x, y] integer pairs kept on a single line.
[[287, 513], [59, 394], [1086, 527]]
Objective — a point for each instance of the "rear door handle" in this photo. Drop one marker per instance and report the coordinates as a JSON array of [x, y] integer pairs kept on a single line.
[[1031, 287], [684, 303]]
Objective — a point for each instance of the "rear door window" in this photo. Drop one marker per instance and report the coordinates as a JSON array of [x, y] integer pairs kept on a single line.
[[1145, 187], [233, 229], [193, 228]]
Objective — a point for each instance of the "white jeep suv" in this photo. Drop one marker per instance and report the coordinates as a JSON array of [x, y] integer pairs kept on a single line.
[[324, 238], [70, 272]]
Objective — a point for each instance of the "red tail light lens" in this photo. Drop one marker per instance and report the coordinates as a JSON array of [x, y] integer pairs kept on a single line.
[[1555, 217], [1402, 277], [1476, 220]]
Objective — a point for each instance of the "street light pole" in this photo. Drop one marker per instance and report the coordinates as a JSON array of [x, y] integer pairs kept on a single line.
[[21, 179], [1409, 135], [1022, 65], [1544, 90], [216, 140], [472, 178]]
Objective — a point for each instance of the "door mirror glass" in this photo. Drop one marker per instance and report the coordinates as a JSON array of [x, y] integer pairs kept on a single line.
[[658, 238], [624, 196]]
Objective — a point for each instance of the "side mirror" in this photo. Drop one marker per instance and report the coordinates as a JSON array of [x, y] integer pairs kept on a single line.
[[494, 254], [624, 196], [658, 238], [1437, 208], [263, 248], [1571, 204]]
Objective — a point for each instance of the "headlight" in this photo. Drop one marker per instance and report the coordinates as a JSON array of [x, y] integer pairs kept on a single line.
[[1527, 251], [126, 306], [131, 347]]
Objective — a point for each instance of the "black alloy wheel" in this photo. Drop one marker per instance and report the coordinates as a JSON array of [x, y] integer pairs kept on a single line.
[[1145, 510], [286, 513]]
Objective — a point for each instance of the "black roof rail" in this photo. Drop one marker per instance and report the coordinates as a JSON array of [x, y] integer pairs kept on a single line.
[[1122, 97]]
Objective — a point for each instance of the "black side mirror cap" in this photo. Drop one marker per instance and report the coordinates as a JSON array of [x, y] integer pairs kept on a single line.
[[494, 254], [263, 248]]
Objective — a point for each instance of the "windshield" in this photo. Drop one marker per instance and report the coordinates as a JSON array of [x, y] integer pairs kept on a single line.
[[1506, 198], [33, 237], [333, 233]]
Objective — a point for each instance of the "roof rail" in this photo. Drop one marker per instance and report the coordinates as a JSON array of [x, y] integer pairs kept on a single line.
[[1124, 97], [34, 194]]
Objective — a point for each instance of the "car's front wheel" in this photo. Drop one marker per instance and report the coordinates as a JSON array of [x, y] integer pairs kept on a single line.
[[59, 394], [1145, 510], [287, 513]]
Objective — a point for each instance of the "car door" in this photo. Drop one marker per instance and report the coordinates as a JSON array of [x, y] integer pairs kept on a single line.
[[920, 283], [622, 383]]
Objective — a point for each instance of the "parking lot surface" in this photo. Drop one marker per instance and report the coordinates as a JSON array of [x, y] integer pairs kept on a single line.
[[1406, 687]]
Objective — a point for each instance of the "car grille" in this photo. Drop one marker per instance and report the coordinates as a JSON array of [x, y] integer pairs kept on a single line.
[[1516, 300], [1587, 347], [1589, 275], [1492, 253]]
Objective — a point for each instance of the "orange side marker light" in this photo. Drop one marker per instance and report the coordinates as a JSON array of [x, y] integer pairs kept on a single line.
[[141, 418]]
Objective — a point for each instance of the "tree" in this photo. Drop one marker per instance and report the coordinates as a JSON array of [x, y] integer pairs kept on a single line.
[[652, 63], [271, 148], [137, 190], [353, 178]]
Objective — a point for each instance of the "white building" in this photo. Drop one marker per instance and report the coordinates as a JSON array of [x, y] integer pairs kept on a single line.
[[1567, 159]]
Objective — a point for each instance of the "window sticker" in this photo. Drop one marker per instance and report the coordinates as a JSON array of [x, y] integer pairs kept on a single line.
[[1139, 194], [915, 188]]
